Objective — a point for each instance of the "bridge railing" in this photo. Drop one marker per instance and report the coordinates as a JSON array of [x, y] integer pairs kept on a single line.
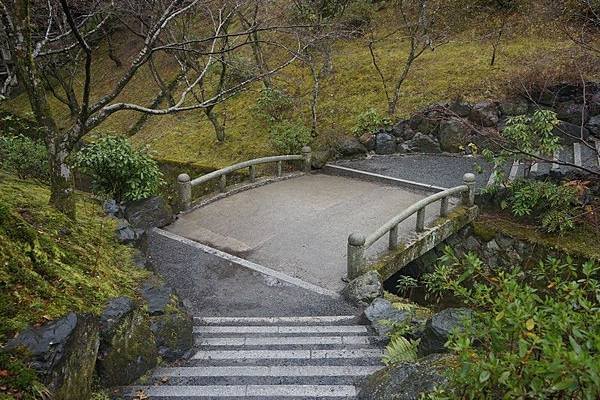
[[186, 183], [359, 243]]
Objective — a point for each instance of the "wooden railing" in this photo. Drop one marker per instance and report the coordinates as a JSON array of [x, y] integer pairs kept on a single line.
[[358, 243], [186, 184]]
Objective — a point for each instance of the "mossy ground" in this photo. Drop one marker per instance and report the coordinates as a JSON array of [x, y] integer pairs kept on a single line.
[[459, 68]]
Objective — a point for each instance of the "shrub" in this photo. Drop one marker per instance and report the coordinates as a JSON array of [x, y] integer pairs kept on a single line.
[[273, 105], [24, 157], [357, 15], [369, 121], [289, 137], [119, 171], [534, 332]]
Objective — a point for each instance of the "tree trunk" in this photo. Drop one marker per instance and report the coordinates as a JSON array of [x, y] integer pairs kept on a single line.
[[214, 120], [62, 195]]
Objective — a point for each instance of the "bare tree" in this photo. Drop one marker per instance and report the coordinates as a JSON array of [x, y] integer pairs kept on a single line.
[[37, 30], [419, 26]]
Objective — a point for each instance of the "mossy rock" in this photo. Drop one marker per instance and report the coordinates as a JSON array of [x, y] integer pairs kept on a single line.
[[174, 334], [484, 231]]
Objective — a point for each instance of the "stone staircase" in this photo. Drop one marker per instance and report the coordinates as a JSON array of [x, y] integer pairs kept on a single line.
[[322, 357]]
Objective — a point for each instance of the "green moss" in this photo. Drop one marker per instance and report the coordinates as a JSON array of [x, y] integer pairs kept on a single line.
[[483, 231], [50, 265]]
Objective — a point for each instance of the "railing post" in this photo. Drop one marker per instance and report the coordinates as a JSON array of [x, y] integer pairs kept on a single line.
[[185, 190], [469, 196], [223, 183], [421, 220], [393, 238], [306, 154], [356, 254], [279, 168], [252, 173], [444, 207]]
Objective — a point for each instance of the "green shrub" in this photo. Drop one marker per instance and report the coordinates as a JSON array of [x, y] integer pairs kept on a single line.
[[273, 105], [24, 157], [118, 170], [357, 15], [13, 125], [369, 121], [289, 137], [534, 331]]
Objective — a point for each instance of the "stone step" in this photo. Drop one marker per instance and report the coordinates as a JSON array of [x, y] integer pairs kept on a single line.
[[273, 341], [280, 329], [246, 391], [306, 320], [286, 354], [228, 362]]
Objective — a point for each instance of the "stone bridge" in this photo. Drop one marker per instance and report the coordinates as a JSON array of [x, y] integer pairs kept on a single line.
[[298, 224]]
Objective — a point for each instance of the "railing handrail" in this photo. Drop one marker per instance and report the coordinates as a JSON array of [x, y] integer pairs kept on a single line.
[[407, 213], [244, 164], [358, 243], [186, 183]]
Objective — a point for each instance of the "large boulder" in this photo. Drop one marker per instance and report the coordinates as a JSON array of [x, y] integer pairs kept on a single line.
[[593, 125], [485, 113], [385, 143], [153, 212], [514, 106], [570, 133], [407, 381], [402, 130], [572, 112], [320, 157], [173, 331], [382, 314], [349, 146], [157, 296], [368, 140], [127, 345], [421, 143], [364, 289], [63, 353], [453, 134], [438, 329], [460, 108]]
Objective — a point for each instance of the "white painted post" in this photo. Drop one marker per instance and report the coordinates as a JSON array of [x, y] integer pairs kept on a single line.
[[393, 238], [306, 154], [185, 190], [444, 207], [356, 254], [469, 196], [223, 183], [421, 220]]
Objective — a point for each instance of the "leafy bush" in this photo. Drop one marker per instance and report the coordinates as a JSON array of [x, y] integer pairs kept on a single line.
[[534, 332], [119, 171], [273, 105], [369, 121], [289, 137], [24, 157], [13, 125]]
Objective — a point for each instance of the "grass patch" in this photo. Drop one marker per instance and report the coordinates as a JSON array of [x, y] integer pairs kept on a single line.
[[50, 265]]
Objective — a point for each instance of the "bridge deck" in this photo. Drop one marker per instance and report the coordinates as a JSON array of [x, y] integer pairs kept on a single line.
[[300, 226]]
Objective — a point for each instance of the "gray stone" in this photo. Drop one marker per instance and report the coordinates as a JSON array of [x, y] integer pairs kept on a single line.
[[472, 244], [422, 144], [126, 234], [350, 146], [385, 143], [364, 289], [570, 133], [112, 209], [438, 329], [514, 107], [157, 296], [492, 245], [319, 158], [368, 140], [460, 108], [407, 381], [127, 345], [594, 125], [401, 129], [382, 314], [504, 242], [153, 212], [63, 353], [173, 332], [453, 134], [572, 113], [485, 113]]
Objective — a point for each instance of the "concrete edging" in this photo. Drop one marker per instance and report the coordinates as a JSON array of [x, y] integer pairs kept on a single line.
[[249, 264]]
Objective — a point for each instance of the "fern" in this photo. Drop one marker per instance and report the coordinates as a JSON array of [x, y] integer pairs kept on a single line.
[[400, 350]]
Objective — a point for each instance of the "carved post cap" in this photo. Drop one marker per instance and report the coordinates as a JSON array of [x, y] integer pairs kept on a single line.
[[469, 177], [183, 178], [306, 149], [356, 239]]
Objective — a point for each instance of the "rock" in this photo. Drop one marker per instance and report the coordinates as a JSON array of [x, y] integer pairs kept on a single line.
[[381, 311], [63, 353], [570, 133], [364, 289], [407, 381], [460, 108], [572, 113], [157, 295], [485, 113], [173, 332], [513, 107], [421, 143], [127, 345], [402, 129], [492, 245], [593, 125], [425, 123], [153, 212], [385, 143], [126, 234], [350, 146], [453, 134], [112, 209], [320, 158], [439, 327], [368, 140]]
